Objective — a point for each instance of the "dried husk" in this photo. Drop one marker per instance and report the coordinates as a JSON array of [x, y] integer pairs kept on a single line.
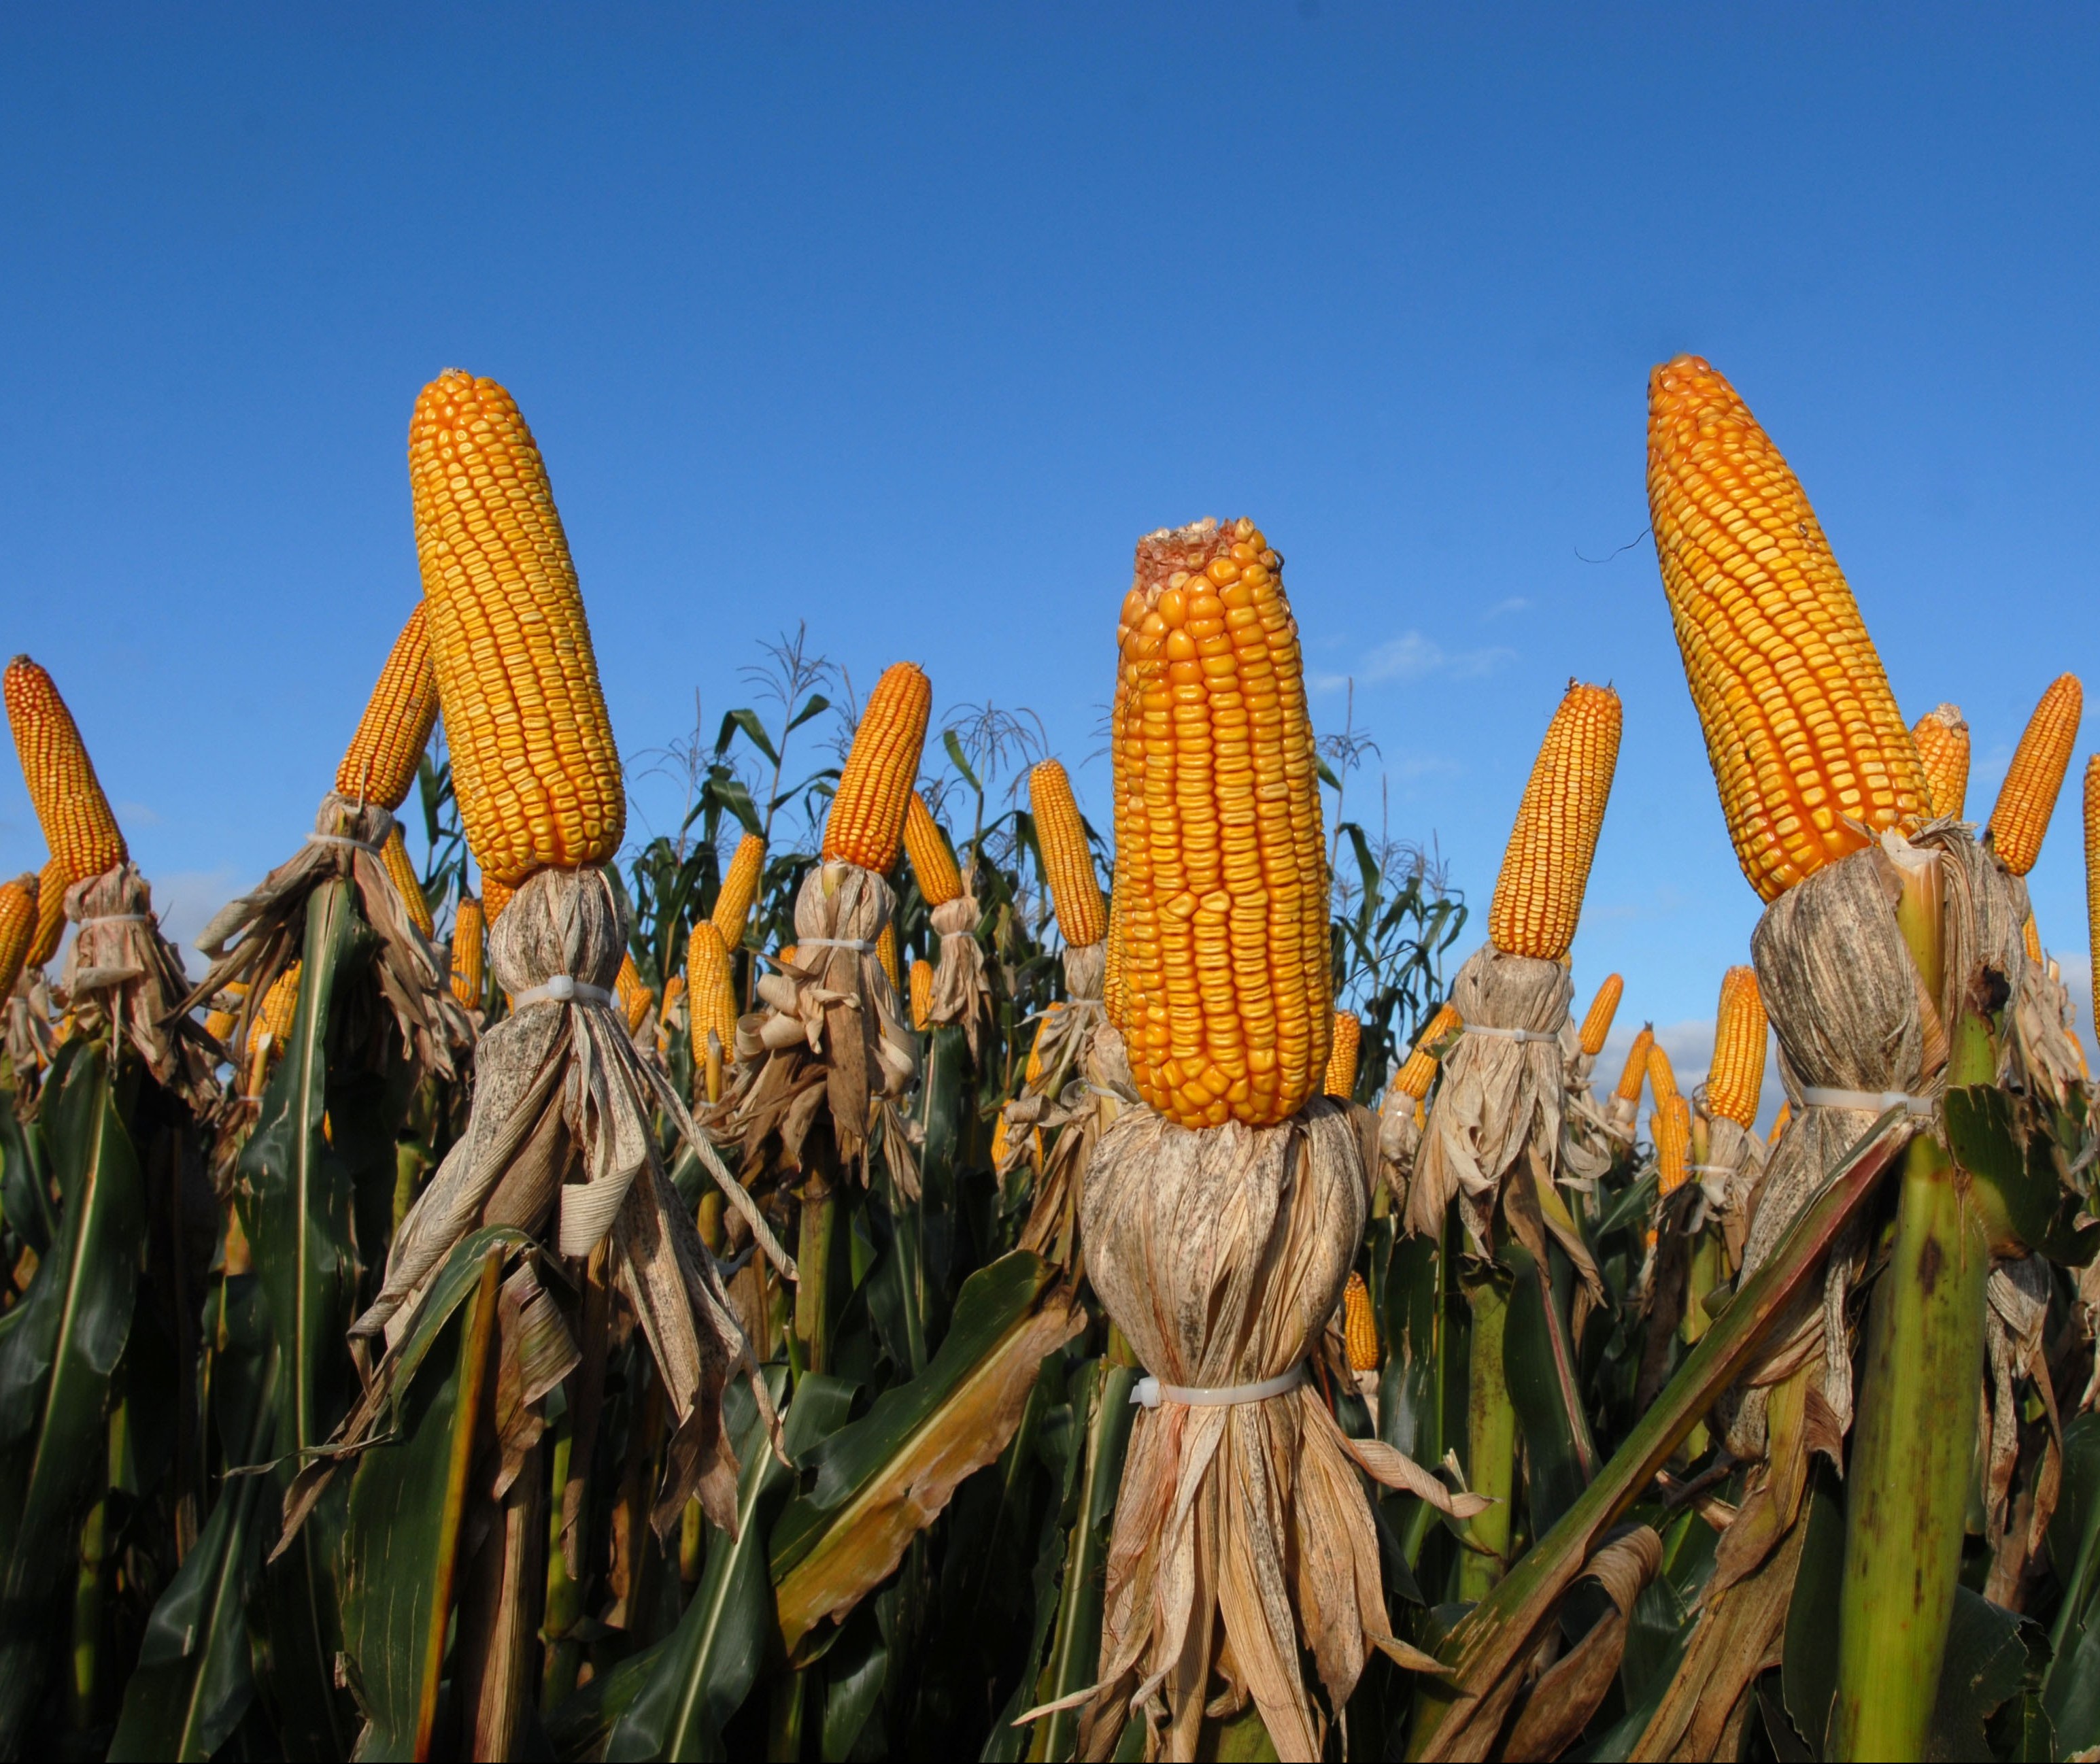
[[1084, 1085], [962, 993], [2046, 1061], [1243, 1537], [121, 974], [1588, 1141], [1728, 1183], [2018, 1293], [28, 1039], [1399, 1142]]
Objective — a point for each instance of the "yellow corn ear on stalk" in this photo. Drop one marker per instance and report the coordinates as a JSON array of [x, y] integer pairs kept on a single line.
[[922, 994], [1736, 1080], [627, 984], [1538, 895], [18, 927], [926, 846], [1346, 1042], [1222, 888], [787, 956], [740, 889], [1420, 1067], [395, 855], [470, 958], [640, 1008], [710, 999], [219, 1021], [383, 754], [51, 914], [1943, 750], [868, 810], [1111, 972], [534, 764], [885, 953], [2027, 797], [1597, 1021], [80, 830], [1661, 1075], [495, 896], [1061, 836], [2031, 939], [1806, 742], [1628, 1088], [1671, 1125], [1033, 1069], [1780, 1123], [1359, 1327], [280, 1004], [999, 1136]]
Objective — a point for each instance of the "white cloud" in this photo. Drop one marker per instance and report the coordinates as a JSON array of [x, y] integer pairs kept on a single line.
[[185, 901], [137, 814], [1515, 603], [1690, 1045], [1412, 656]]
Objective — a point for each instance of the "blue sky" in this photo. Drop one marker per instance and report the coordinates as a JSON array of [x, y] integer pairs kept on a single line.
[[909, 322]]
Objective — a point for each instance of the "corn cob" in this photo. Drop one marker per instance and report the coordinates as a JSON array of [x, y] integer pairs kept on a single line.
[[395, 855], [1736, 1080], [1538, 895], [932, 862], [1347, 1039], [1661, 1076], [2027, 797], [219, 1021], [280, 1004], [1226, 1002], [470, 960], [710, 1000], [999, 1136], [640, 1008], [1802, 729], [495, 896], [388, 746], [885, 953], [786, 958], [1112, 971], [1628, 1088], [534, 764], [868, 808], [740, 889], [1780, 1123], [1420, 1067], [1359, 1327], [922, 994], [2031, 939], [79, 829], [1671, 1125], [1943, 750], [1060, 836], [1033, 1069], [627, 983], [18, 927], [51, 914], [1597, 1021]]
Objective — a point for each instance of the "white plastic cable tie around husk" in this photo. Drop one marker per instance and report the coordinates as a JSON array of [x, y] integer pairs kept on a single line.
[[563, 989], [861, 944], [116, 918], [1150, 1392], [343, 839], [1508, 1035], [1827, 1096]]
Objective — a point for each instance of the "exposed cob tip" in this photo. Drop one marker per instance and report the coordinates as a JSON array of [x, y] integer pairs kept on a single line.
[[740, 889], [51, 914], [932, 862], [1597, 1020], [1941, 736], [1735, 1081], [1634, 1072], [18, 927], [1348, 1036], [922, 994], [80, 828], [1419, 1067], [885, 954], [534, 763], [2026, 799], [866, 817], [1671, 1125], [470, 953], [1359, 1327], [1060, 836], [1538, 894], [1810, 755], [380, 763]]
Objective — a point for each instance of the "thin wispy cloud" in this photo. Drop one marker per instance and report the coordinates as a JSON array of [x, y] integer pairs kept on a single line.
[[1515, 603], [1413, 655]]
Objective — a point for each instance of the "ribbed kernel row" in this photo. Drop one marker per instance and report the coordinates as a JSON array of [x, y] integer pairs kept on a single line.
[[1802, 729], [51, 884], [469, 954], [534, 763], [18, 927], [710, 998], [1941, 736], [1222, 883], [1359, 1325], [80, 829], [1419, 1068], [1671, 1125], [926, 846], [1661, 1075], [922, 995], [1737, 1079], [885, 954], [1635, 1073], [866, 817], [1061, 836], [1597, 1021], [280, 1005], [1545, 868], [2019, 822], [495, 896], [380, 765], [395, 855], [740, 889], [1348, 1041]]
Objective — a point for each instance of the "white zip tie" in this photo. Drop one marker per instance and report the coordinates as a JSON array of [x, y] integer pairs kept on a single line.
[[116, 918], [1825, 1097], [563, 989], [1508, 1035], [343, 839], [1150, 1392], [835, 943]]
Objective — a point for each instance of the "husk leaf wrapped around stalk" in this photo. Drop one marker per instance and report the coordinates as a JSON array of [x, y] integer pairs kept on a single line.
[[2018, 1293], [121, 973], [962, 993], [29, 1040], [1082, 1084]]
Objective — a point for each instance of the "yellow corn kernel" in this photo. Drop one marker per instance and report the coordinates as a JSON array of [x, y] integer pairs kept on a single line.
[[1112, 971], [1671, 1125], [926, 846], [787, 956], [999, 1136], [534, 764], [1538, 895], [922, 994], [1943, 750], [18, 927], [1736, 1080], [80, 830], [710, 997], [1222, 887], [1359, 1327], [627, 983], [866, 818], [1628, 1088], [51, 914], [1780, 1123], [740, 889], [1806, 742], [885, 953], [495, 896], [1347, 1040], [1060, 836], [1661, 1076], [2031, 939], [220, 1020], [1597, 1021], [280, 1005], [470, 955], [381, 763], [395, 855], [2027, 797], [1420, 1067]]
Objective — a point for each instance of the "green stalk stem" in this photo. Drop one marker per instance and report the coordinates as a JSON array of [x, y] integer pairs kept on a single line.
[[1490, 1444], [813, 1256]]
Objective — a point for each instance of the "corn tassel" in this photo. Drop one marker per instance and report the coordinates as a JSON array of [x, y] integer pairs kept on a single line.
[[2027, 797], [1538, 895], [866, 817], [1597, 1021], [932, 862], [80, 830], [1943, 750], [1060, 836], [384, 754], [1735, 1081]]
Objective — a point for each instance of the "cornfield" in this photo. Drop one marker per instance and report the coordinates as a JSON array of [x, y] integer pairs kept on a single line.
[[892, 1267]]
